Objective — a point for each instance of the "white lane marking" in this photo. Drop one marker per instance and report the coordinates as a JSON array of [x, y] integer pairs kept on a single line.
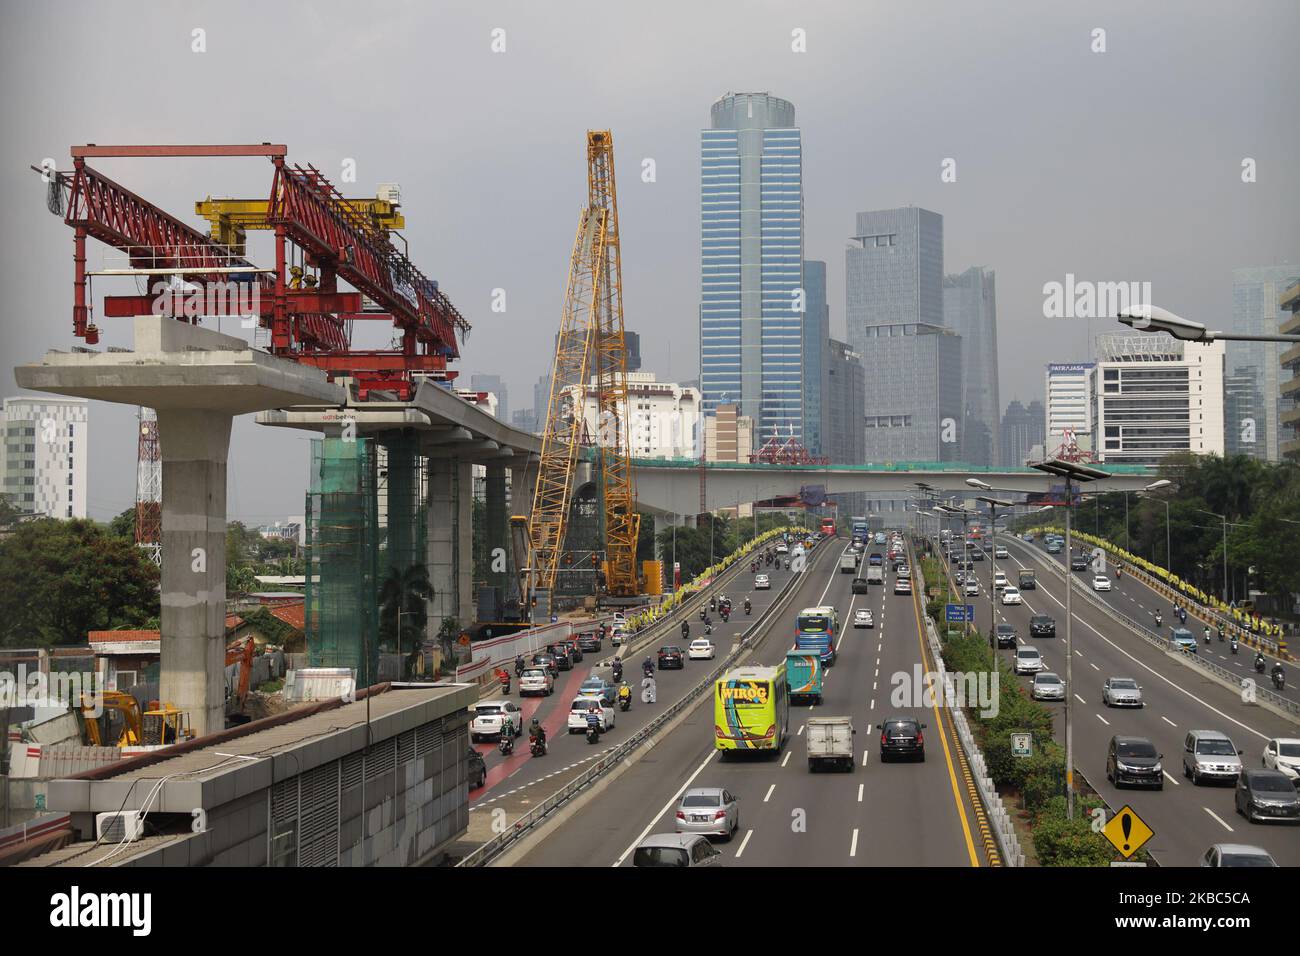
[[861, 786], [1093, 666], [865, 755], [786, 759], [667, 806], [873, 703], [768, 796], [1169, 778], [800, 734], [853, 847], [1168, 721], [1080, 699], [1219, 819], [744, 843], [1103, 720]]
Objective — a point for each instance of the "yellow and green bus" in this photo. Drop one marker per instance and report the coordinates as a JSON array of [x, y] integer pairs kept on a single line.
[[751, 709]]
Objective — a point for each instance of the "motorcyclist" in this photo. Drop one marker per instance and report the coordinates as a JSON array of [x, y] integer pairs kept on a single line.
[[594, 719], [536, 732], [624, 696], [617, 668], [648, 667], [1232, 645], [1278, 674], [1159, 619], [1259, 661], [519, 665], [747, 605], [1219, 631], [725, 615], [686, 630], [708, 627], [703, 613], [507, 741], [1182, 615], [713, 603], [1207, 633]]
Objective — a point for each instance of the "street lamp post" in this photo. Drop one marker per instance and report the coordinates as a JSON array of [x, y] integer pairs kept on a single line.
[[1225, 549], [1147, 492], [994, 504]]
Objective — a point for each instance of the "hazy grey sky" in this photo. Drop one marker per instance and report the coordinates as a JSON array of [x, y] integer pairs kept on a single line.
[[1123, 165]]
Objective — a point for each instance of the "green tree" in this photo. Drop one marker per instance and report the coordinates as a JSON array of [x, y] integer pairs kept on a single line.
[[403, 609], [65, 578], [123, 524]]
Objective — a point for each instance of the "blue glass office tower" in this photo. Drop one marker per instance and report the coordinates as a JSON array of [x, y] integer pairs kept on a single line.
[[816, 359], [751, 262]]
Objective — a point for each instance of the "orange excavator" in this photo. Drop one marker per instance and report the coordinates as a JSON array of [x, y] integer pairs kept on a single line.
[[241, 652]]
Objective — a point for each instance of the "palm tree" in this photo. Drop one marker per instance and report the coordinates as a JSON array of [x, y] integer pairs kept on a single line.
[[403, 610]]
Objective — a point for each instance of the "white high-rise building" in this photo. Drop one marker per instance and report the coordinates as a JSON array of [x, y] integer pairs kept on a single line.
[[1157, 395], [1071, 400], [663, 418], [45, 455]]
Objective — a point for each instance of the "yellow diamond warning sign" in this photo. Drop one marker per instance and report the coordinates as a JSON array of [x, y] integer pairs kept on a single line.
[[1127, 832]]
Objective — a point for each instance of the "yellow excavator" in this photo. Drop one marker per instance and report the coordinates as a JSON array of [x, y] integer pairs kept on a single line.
[[115, 720]]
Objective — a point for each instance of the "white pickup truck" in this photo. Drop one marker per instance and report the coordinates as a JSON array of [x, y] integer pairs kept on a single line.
[[830, 743]]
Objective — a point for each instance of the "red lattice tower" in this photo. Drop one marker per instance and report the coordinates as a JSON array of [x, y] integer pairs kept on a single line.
[[148, 487]]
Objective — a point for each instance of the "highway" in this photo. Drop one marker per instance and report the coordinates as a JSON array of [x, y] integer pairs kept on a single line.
[[1186, 819], [899, 814]]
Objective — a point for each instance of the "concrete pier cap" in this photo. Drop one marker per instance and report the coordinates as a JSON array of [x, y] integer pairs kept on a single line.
[[197, 380]]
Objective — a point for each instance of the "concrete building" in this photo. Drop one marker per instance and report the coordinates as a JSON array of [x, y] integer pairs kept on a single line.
[[1158, 395], [1256, 310], [45, 455], [845, 396], [525, 419], [1022, 430], [728, 435], [1071, 394], [895, 274], [1289, 387], [663, 419], [913, 392], [816, 358], [970, 310], [751, 262]]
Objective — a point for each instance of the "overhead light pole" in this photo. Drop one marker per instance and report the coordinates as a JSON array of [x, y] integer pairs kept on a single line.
[[994, 504], [1225, 549], [1151, 318], [1072, 472], [1149, 493]]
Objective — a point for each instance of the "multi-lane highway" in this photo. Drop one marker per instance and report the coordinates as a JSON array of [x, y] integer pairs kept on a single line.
[[1187, 819], [900, 813]]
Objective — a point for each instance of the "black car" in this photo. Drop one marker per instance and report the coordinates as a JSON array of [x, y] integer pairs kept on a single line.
[[1079, 563], [1041, 625], [547, 661], [860, 586], [670, 656], [1006, 635], [1134, 761], [1267, 795], [477, 769], [589, 641], [976, 554], [575, 652], [563, 659], [902, 737]]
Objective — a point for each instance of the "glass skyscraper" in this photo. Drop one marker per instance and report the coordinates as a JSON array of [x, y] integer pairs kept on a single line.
[[816, 360], [970, 310], [751, 262], [1256, 310]]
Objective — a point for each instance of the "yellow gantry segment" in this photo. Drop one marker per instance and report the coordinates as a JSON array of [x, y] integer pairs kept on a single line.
[[230, 220]]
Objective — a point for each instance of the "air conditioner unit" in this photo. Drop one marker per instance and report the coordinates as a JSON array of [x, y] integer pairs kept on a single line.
[[117, 826]]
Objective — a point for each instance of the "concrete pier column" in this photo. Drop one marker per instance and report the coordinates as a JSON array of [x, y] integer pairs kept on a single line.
[[194, 446], [463, 539], [497, 531], [451, 540]]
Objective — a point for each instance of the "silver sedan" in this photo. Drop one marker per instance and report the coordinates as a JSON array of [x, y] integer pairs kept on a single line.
[[709, 810], [1047, 686], [1121, 692]]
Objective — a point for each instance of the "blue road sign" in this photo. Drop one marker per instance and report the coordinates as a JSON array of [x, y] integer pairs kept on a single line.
[[959, 613]]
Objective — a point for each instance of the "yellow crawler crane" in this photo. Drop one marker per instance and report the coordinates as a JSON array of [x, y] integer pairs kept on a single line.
[[590, 348]]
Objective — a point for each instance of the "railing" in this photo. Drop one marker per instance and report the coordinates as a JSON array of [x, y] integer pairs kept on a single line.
[[484, 854]]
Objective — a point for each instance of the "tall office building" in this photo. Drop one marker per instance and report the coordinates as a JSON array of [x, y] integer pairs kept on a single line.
[[751, 262], [1071, 394], [1257, 310], [497, 386], [632, 344], [970, 309], [1243, 410], [1158, 395], [1021, 429], [45, 455], [816, 356], [1289, 389], [845, 439]]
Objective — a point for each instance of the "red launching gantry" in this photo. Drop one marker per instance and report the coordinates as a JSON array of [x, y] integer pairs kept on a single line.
[[314, 224]]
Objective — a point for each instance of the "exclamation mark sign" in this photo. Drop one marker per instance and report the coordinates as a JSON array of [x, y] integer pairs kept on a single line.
[[1126, 824]]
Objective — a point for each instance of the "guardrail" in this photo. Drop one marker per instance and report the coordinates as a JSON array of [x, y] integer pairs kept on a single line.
[[999, 817], [1166, 646], [484, 854]]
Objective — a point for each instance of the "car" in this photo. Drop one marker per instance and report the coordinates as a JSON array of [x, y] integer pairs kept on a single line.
[[617, 635], [782, 548], [582, 705], [477, 770], [670, 656], [1079, 562], [1264, 795], [1027, 537], [902, 736], [563, 659], [1053, 548], [1047, 686], [1011, 595], [762, 582], [676, 849], [1006, 635], [999, 581], [575, 652], [536, 680], [902, 571], [712, 811], [1042, 625], [1184, 640], [860, 586], [1210, 755], [542, 659], [701, 649], [1028, 660], [972, 586], [1100, 582], [1001, 552], [1134, 761], [595, 686], [1283, 754], [976, 554], [1237, 855], [589, 641], [490, 716], [862, 618], [960, 577], [1121, 692], [902, 586]]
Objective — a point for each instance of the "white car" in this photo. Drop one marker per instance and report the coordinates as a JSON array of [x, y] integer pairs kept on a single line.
[[1000, 581], [1001, 552], [618, 635], [491, 714], [1283, 753], [1011, 595], [1100, 583], [1028, 660], [578, 714], [536, 680], [972, 586], [1047, 686], [782, 548], [701, 649], [762, 582], [862, 618]]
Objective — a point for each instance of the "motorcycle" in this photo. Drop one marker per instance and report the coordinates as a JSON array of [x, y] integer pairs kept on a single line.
[[1207, 635], [703, 614], [648, 669], [708, 629], [537, 746], [747, 607], [686, 631], [725, 617], [593, 733], [506, 745], [1233, 645], [1279, 680], [1159, 620], [504, 678], [624, 697], [1259, 665], [618, 671], [519, 667]]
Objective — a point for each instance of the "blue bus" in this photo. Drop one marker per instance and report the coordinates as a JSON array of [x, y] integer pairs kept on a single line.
[[816, 628]]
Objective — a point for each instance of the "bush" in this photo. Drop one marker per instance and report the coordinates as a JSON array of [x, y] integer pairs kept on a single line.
[[1062, 842]]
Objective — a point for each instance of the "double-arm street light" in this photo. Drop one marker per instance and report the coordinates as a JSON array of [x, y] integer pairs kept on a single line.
[[1149, 493], [1151, 318], [1224, 518], [965, 539], [994, 504]]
